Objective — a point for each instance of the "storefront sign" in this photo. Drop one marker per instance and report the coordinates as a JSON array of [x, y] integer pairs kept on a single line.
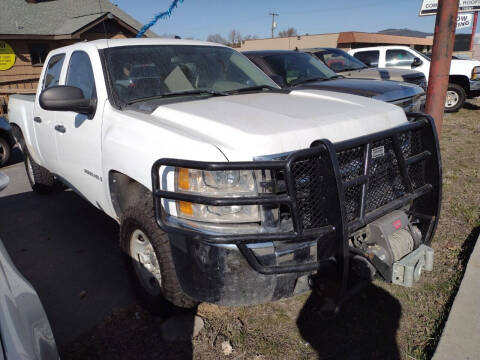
[[464, 21], [7, 56], [429, 7]]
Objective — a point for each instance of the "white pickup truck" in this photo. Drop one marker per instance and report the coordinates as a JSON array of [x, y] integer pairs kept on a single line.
[[227, 188], [464, 79]]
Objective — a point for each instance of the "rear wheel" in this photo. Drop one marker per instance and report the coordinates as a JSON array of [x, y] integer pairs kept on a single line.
[[455, 98], [149, 258], [4, 151], [40, 179]]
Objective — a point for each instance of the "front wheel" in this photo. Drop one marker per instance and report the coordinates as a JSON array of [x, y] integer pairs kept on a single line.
[[456, 96], [149, 258]]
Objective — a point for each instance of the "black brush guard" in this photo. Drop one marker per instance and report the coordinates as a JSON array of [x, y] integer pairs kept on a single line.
[[331, 191]]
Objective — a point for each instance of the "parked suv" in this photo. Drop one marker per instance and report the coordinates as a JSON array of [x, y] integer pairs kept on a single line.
[[464, 81], [293, 69]]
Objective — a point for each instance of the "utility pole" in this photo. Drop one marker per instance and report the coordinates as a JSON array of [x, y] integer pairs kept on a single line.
[[273, 21], [443, 41]]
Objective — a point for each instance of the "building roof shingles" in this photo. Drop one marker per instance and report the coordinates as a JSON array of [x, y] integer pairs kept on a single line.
[[56, 17]]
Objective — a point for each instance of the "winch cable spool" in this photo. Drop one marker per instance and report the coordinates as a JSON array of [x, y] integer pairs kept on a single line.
[[401, 243]]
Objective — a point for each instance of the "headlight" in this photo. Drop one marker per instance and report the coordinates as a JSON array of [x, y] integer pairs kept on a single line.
[[476, 73], [231, 183]]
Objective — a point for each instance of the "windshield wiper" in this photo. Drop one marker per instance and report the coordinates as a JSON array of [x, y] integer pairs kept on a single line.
[[303, 81], [338, 76], [179, 93], [252, 88]]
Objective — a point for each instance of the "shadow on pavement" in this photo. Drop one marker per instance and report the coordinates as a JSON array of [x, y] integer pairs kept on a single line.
[[365, 327], [470, 106], [69, 251]]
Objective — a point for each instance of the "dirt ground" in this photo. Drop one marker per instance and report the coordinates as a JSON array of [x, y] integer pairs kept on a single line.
[[382, 322]]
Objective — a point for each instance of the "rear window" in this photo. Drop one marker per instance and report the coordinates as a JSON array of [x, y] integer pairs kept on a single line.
[[54, 68], [368, 57]]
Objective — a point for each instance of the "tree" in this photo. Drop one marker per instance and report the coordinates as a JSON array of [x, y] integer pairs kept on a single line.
[[250, 37], [234, 37], [217, 38], [287, 33]]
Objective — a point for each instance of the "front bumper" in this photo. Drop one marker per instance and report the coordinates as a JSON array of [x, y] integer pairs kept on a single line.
[[474, 85], [331, 191], [220, 274]]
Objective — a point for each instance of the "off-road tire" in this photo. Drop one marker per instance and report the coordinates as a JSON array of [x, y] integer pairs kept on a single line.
[[141, 216], [5, 151], [462, 95], [40, 179]]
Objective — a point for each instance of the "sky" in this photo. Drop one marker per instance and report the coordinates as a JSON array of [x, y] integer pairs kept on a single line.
[[200, 18]]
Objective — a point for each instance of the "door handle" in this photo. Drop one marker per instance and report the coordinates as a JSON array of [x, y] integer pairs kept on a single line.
[[37, 119], [60, 128]]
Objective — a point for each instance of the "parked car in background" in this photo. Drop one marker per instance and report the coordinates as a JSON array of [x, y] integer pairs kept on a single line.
[[228, 189], [293, 69], [346, 65], [25, 332], [464, 81], [6, 141]]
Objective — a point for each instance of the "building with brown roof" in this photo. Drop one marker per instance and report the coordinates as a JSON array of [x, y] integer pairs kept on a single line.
[[29, 29], [344, 40]]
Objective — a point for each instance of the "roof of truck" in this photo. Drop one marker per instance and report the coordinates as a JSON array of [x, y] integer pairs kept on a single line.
[[381, 47], [104, 43]]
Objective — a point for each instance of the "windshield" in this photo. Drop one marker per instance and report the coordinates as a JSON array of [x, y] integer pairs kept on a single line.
[[339, 60], [299, 67], [145, 72]]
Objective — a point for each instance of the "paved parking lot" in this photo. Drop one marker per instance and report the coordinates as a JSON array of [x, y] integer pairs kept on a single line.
[[62, 239]]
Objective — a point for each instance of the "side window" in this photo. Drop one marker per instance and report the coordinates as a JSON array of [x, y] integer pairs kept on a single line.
[[80, 74], [370, 58], [54, 68], [399, 58]]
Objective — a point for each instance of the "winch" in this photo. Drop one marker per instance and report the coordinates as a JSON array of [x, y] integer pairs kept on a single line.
[[397, 244]]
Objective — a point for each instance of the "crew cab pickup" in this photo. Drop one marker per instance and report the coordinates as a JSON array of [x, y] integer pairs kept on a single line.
[[228, 189], [464, 81]]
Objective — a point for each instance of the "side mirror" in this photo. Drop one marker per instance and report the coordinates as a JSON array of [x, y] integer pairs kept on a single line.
[[278, 79], [416, 62], [66, 98]]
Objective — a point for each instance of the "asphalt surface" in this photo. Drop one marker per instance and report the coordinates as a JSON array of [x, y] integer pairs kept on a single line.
[[67, 249]]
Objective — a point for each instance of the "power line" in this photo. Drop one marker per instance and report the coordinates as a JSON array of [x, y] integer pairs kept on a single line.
[[273, 21]]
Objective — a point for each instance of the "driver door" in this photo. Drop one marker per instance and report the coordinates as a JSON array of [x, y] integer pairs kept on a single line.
[[78, 136]]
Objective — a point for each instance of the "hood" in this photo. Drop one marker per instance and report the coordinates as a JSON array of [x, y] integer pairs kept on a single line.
[[468, 65], [462, 62], [389, 91], [383, 74], [250, 125]]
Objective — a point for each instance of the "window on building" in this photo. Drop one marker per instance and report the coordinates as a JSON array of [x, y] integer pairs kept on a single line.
[[80, 74], [370, 58], [399, 58], [54, 68], [38, 53]]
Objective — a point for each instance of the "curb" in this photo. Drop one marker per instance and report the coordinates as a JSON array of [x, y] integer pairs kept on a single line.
[[460, 338]]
